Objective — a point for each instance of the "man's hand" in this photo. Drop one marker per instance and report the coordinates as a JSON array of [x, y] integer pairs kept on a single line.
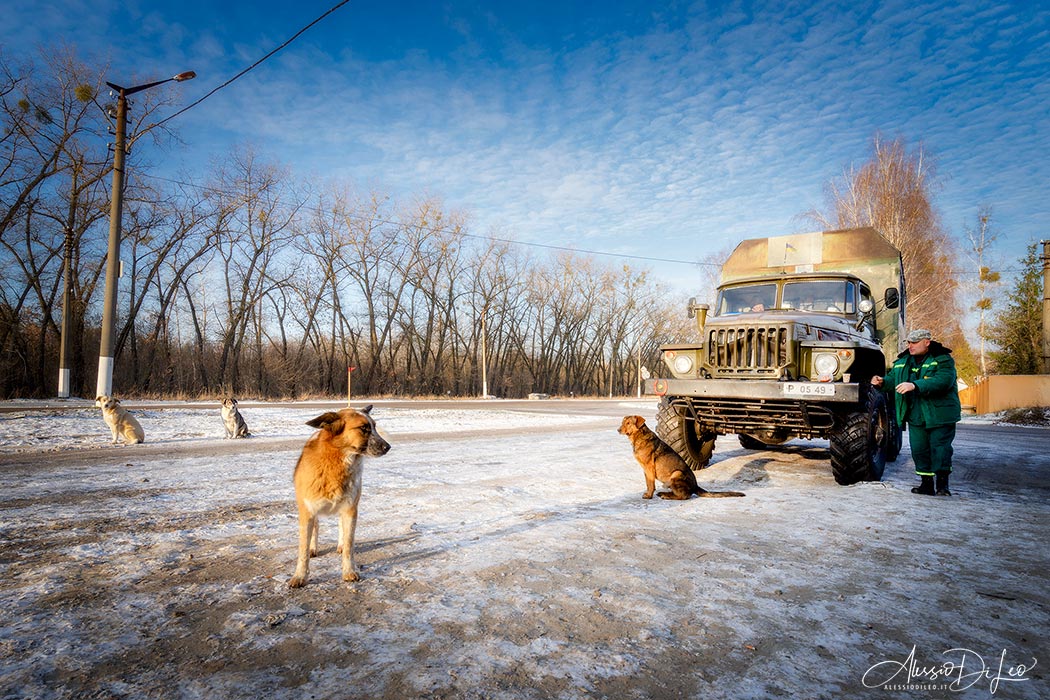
[[876, 381], [905, 387]]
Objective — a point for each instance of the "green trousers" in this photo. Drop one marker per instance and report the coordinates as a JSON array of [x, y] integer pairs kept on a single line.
[[931, 448]]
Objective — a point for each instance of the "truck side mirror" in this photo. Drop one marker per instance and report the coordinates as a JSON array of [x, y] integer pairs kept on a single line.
[[699, 312], [893, 298]]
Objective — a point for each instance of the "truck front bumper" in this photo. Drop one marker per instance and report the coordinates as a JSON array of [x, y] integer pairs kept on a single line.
[[802, 409], [830, 392]]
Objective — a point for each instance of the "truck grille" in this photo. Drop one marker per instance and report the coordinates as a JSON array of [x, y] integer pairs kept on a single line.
[[754, 350], [724, 415]]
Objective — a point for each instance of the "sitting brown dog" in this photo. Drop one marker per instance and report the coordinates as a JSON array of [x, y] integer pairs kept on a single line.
[[662, 463]]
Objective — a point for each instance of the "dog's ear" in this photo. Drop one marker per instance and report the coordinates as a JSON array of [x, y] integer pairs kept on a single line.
[[634, 422], [367, 409], [331, 421]]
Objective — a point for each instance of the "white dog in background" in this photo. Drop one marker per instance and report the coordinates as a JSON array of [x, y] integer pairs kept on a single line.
[[232, 420], [120, 422]]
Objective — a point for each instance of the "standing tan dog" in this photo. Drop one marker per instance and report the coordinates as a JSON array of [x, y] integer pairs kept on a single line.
[[661, 463], [120, 422], [328, 480]]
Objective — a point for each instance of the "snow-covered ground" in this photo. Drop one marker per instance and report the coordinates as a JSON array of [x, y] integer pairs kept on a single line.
[[508, 554], [61, 428]]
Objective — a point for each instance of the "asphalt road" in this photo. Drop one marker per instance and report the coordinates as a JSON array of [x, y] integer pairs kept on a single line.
[[572, 406], [982, 450]]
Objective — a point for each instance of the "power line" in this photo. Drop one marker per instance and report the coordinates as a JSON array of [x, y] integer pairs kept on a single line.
[[589, 252], [447, 229], [252, 66], [510, 241]]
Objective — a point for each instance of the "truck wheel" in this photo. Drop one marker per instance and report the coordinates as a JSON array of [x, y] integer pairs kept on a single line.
[[681, 434], [858, 445]]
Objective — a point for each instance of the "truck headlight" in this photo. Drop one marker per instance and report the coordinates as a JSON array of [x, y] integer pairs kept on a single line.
[[825, 364], [683, 364]]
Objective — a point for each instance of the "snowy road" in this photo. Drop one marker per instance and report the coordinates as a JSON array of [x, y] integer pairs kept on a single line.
[[507, 553]]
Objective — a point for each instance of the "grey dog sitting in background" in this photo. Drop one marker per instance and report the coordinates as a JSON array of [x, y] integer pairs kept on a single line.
[[232, 420]]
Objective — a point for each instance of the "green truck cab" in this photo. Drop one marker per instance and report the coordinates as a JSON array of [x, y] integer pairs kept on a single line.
[[800, 325]]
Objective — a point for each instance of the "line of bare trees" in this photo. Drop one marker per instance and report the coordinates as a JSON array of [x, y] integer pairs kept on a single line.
[[247, 281], [894, 191]]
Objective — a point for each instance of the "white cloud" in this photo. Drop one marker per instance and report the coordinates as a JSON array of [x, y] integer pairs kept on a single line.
[[705, 127]]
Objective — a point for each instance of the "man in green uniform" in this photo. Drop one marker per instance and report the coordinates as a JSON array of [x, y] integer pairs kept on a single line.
[[928, 401]]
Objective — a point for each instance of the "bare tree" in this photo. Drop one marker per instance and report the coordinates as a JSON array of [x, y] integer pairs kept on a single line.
[[49, 175], [258, 210], [494, 308], [177, 241], [428, 316], [981, 239], [238, 285], [316, 290], [893, 192]]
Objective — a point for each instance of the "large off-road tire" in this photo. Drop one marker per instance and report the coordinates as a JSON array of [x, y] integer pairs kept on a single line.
[[859, 441], [695, 447]]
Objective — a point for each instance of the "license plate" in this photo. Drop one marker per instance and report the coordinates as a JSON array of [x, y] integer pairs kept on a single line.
[[807, 389]]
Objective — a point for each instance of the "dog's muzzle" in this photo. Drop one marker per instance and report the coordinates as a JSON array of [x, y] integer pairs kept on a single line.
[[377, 446]]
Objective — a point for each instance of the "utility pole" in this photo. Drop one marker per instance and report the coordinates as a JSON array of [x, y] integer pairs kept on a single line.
[[116, 208], [63, 348], [1046, 307], [484, 357], [639, 375], [104, 387]]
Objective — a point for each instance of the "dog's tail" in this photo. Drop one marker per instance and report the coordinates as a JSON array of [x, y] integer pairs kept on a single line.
[[719, 494]]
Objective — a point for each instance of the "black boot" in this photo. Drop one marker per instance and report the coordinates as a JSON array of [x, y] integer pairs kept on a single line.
[[942, 484], [926, 487]]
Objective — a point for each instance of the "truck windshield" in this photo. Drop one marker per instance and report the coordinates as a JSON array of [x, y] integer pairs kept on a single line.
[[821, 296], [755, 297]]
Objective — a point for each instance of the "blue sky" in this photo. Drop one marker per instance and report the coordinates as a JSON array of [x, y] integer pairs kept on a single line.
[[667, 130]]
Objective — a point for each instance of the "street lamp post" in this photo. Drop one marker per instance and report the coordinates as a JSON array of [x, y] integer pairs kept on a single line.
[[109, 306], [63, 347], [484, 359]]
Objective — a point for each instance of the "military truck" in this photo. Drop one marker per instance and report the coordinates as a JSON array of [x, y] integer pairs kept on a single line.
[[800, 325]]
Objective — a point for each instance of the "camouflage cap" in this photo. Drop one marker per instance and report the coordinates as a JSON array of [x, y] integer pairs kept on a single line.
[[917, 335]]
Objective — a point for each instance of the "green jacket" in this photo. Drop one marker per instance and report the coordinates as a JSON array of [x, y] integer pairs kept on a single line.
[[936, 395]]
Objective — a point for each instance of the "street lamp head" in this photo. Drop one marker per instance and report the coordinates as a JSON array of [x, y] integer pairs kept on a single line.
[[187, 75]]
